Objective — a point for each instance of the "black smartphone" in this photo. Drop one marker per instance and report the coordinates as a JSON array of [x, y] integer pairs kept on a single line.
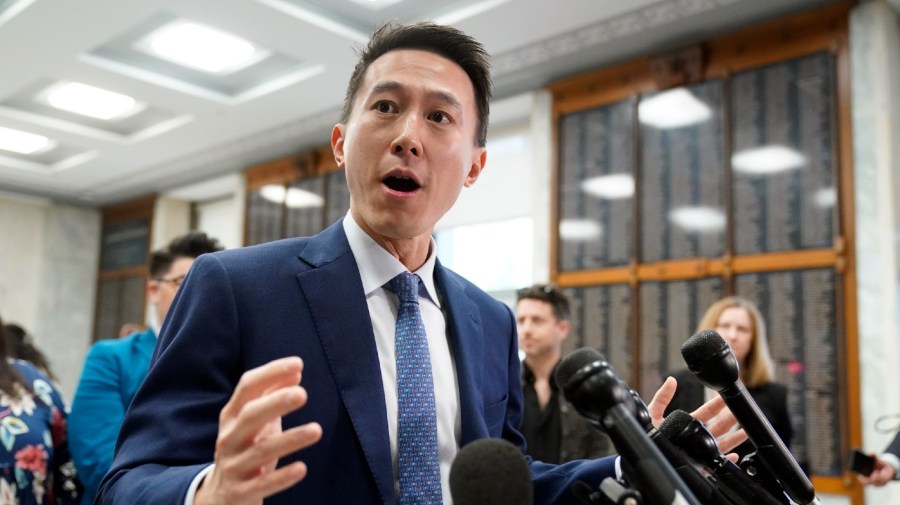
[[861, 462]]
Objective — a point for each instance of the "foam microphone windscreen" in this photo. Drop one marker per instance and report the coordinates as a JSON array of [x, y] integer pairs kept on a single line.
[[699, 444], [701, 346], [574, 362], [710, 359], [490, 471]]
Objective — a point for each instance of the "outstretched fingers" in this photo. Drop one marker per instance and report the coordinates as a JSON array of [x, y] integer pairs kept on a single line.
[[251, 439], [720, 421], [661, 400]]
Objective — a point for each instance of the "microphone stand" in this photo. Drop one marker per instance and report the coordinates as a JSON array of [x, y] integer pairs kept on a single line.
[[760, 473], [611, 492]]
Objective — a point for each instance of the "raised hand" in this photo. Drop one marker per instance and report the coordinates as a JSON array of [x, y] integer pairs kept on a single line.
[[251, 439], [714, 414]]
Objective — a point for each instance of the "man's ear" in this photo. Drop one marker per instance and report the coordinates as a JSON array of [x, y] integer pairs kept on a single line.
[[337, 144], [479, 158], [564, 326], [153, 292]]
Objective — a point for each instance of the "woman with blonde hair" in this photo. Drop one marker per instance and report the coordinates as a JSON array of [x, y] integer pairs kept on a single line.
[[740, 323]]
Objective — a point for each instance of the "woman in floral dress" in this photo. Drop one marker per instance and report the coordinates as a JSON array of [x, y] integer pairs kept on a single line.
[[35, 466]]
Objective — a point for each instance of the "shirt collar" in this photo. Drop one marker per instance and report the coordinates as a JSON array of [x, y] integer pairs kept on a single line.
[[528, 375], [377, 266]]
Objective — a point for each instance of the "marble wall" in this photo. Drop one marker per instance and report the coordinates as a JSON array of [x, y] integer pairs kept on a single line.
[[875, 79], [48, 278]]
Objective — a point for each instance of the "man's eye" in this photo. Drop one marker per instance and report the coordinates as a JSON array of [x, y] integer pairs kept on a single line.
[[385, 107], [439, 117]]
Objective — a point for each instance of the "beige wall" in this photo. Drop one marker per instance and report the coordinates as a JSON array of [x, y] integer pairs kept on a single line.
[[48, 276]]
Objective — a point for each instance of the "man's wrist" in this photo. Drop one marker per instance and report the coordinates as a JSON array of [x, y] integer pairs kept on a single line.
[[195, 485], [894, 462]]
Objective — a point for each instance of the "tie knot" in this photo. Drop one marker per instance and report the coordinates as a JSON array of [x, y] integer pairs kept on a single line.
[[406, 287]]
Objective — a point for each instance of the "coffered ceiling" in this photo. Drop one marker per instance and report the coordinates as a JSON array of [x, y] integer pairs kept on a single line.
[[190, 125]]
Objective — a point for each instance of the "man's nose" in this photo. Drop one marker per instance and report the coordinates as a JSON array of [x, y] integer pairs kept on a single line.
[[408, 138]]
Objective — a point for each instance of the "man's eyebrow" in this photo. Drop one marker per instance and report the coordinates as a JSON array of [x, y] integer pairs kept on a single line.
[[443, 96], [450, 99], [384, 86]]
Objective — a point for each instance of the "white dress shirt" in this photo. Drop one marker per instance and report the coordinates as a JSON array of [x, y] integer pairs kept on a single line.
[[376, 268]]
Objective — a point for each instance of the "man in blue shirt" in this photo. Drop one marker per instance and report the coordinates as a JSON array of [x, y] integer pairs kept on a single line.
[[114, 369]]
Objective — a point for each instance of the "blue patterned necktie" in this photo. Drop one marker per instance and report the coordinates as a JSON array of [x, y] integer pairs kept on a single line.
[[420, 473]]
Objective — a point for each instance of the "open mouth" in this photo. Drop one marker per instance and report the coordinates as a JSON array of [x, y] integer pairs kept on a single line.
[[400, 183]]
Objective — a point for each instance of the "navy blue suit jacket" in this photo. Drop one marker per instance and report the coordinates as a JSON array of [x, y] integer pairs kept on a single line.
[[239, 309], [894, 447]]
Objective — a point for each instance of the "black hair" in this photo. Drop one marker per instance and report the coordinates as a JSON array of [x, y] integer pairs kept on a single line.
[[190, 245], [9, 376], [19, 344], [442, 40], [549, 294]]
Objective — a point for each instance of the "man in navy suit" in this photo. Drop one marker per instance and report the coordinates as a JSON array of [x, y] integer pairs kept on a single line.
[[224, 417]]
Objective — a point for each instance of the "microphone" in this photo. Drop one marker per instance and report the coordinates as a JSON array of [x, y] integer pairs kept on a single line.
[[702, 488], [491, 471], [700, 445], [710, 359], [590, 385]]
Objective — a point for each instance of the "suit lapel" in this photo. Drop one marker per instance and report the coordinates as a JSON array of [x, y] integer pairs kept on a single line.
[[465, 333], [334, 293]]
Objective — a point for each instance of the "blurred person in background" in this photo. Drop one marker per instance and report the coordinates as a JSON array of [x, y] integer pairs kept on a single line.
[[20, 344], [129, 328], [554, 431], [35, 464], [741, 324], [115, 368], [886, 466]]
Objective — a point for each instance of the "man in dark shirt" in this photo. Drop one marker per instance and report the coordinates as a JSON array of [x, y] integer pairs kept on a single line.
[[554, 431]]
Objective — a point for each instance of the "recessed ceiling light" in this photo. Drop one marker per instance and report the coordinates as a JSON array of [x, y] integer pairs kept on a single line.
[[376, 4], [90, 101], [201, 47], [768, 159], [21, 142], [698, 219], [610, 187], [673, 109], [292, 197]]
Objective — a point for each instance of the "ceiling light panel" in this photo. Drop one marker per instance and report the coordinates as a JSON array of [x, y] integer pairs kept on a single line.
[[91, 101], [25, 150], [349, 20], [21, 142], [82, 108], [201, 47], [199, 59]]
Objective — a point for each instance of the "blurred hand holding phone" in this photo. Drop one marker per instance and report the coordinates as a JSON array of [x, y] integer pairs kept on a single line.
[[861, 462]]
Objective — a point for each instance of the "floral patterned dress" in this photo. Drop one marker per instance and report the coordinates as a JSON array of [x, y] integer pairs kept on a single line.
[[35, 466]]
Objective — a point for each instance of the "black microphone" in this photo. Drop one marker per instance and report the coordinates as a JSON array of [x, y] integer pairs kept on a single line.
[[702, 488], [590, 385], [700, 445], [490, 471], [710, 359]]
